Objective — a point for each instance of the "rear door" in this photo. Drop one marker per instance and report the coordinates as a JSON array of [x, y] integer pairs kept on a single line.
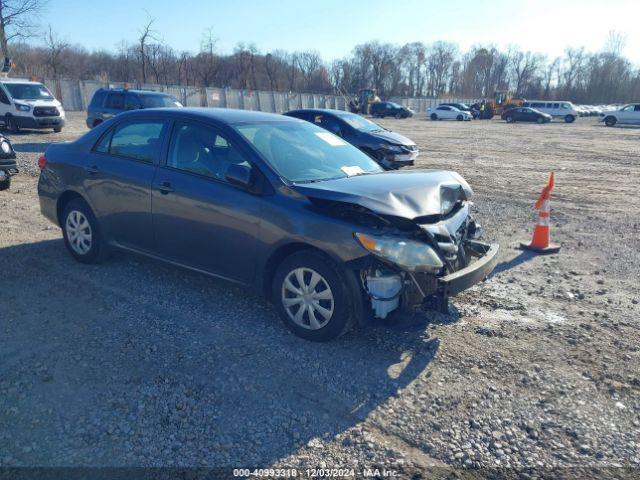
[[119, 174], [113, 105], [199, 219]]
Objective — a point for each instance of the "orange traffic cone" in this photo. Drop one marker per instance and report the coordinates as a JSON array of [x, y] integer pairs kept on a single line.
[[541, 234]]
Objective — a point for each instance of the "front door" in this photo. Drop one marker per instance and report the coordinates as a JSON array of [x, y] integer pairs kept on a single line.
[[118, 178], [199, 219]]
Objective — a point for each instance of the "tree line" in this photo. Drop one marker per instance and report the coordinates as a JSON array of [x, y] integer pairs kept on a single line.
[[415, 69]]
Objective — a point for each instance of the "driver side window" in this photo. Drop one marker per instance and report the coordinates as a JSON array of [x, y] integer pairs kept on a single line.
[[201, 150], [3, 97]]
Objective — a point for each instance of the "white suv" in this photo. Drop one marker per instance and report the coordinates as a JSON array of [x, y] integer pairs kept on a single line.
[[629, 114], [25, 104], [556, 108]]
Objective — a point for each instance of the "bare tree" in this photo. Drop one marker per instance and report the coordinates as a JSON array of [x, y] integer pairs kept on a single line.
[[524, 66], [146, 35], [207, 57], [55, 50], [18, 20]]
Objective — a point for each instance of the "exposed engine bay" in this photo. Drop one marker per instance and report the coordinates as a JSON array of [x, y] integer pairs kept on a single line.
[[446, 229]]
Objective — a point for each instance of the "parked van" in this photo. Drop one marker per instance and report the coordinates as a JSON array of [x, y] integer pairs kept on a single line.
[[25, 104], [555, 108]]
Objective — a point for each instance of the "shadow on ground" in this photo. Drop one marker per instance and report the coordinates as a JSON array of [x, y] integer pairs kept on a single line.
[[134, 362]]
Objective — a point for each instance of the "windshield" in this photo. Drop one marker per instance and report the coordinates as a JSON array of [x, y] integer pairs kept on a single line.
[[28, 91], [359, 123], [395, 105], [159, 101], [302, 152]]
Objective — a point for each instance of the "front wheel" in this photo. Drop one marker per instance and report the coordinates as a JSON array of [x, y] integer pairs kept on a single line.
[[10, 124], [5, 184], [460, 118], [610, 121], [398, 116], [81, 232], [569, 119], [312, 296], [57, 129], [540, 120], [434, 116]]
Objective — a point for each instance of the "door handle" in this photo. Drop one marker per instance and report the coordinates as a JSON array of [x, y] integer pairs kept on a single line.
[[92, 169], [164, 187]]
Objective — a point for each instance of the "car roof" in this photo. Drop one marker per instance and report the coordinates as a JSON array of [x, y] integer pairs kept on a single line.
[[321, 110], [137, 92], [224, 115], [17, 80]]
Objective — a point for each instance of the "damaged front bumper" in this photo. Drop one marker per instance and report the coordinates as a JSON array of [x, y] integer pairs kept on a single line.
[[390, 289]]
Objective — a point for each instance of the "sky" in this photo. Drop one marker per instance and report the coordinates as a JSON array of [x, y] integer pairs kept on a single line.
[[333, 27]]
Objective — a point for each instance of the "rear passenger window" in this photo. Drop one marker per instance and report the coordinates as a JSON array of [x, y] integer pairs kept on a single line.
[[137, 140], [556, 105], [115, 100], [103, 145], [637, 109]]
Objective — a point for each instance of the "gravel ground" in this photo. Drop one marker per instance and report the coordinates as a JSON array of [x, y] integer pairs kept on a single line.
[[136, 363]]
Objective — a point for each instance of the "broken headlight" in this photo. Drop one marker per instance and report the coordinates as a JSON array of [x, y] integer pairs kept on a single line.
[[407, 254]]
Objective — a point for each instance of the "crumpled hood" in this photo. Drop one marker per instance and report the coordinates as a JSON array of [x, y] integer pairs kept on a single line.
[[392, 137], [407, 194]]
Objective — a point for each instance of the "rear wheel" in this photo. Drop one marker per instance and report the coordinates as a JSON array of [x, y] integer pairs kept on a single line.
[[509, 119], [569, 118], [96, 123], [312, 296], [434, 116], [610, 121], [57, 129], [5, 184], [81, 232]]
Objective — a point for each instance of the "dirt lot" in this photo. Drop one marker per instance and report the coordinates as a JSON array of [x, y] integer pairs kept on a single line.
[[135, 363]]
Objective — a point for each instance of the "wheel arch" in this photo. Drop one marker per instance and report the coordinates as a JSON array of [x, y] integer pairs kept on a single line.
[[279, 254], [63, 201]]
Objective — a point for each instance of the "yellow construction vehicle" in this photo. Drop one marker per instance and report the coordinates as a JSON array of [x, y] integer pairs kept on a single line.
[[501, 101]]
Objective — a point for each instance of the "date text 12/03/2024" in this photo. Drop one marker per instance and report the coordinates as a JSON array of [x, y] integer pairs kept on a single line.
[[314, 473]]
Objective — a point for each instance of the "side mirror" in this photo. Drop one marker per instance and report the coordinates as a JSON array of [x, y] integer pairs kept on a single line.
[[239, 175]]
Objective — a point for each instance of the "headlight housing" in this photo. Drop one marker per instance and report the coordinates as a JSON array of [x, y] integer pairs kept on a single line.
[[407, 254], [5, 147], [23, 107], [392, 148]]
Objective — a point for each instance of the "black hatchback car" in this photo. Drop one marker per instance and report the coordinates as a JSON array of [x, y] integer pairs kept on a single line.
[[107, 102], [391, 150], [525, 114], [271, 202], [389, 109]]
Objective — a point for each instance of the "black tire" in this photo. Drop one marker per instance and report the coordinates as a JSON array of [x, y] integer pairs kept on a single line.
[[610, 121], [344, 300], [10, 124], [460, 118], [509, 119], [98, 248], [398, 116], [540, 120], [569, 119], [434, 116], [57, 129], [5, 184], [96, 123]]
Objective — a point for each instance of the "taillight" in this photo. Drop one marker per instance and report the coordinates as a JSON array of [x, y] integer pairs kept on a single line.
[[42, 162]]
